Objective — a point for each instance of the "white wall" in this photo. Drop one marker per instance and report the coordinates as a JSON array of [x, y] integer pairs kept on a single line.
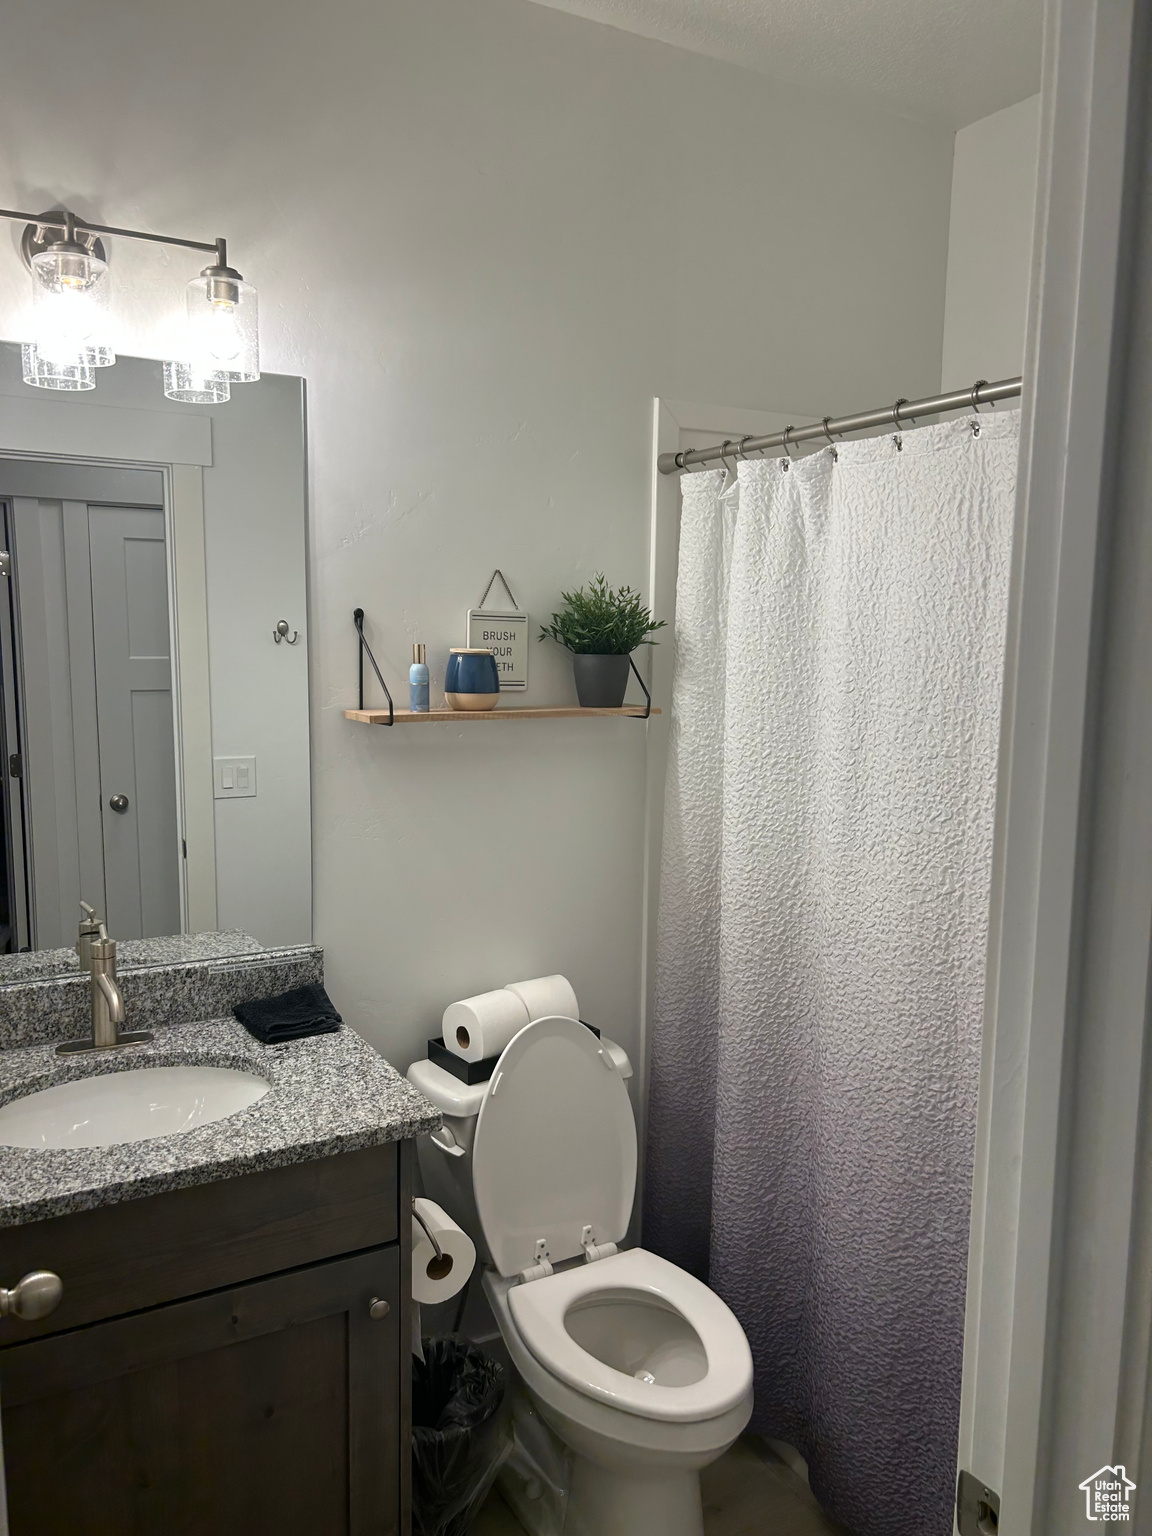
[[487, 233], [990, 245]]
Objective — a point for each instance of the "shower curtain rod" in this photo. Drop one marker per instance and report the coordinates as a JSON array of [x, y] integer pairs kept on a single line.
[[900, 414]]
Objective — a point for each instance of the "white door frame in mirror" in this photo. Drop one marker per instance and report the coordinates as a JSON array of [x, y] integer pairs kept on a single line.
[[1060, 1276], [192, 692]]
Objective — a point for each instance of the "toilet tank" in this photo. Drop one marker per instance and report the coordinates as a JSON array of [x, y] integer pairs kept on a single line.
[[446, 1159]]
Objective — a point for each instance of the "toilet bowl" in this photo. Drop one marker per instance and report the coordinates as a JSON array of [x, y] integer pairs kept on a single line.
[[640, 1369], [643, 1372]]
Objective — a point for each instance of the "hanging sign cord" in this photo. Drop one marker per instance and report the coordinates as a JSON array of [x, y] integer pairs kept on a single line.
[[503, 583]]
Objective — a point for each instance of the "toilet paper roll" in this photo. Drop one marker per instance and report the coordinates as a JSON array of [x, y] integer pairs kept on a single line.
[[438, 1278], [546, 996], [482, 1026]]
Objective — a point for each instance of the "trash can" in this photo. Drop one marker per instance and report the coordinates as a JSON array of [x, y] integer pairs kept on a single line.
[[458, 1435]]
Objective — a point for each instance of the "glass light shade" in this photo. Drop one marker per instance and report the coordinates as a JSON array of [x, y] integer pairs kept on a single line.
[[71, 317], [224, 324], [195, 384], [49, 373]]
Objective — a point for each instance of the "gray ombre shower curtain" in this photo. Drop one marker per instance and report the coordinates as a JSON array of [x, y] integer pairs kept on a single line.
[[839, 646]]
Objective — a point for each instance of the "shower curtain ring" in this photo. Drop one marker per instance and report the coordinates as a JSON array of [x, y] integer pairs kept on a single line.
[[897, 438], [902, 416], [788, 430], [835, 451], [976, 388], [741, 453], [724, 447]]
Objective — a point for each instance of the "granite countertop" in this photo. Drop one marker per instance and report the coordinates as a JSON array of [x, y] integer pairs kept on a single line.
[[132, 954], [330, 1093]]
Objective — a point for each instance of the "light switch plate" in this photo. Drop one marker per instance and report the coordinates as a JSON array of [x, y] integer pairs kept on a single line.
[[233, 778]]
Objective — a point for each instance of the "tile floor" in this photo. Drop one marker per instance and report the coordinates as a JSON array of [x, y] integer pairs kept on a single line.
[[748, 1492]]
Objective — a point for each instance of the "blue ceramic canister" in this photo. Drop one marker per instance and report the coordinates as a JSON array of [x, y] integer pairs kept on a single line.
[[471, 680]]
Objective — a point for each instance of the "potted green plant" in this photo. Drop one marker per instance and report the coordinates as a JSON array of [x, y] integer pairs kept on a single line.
[[601, 628]]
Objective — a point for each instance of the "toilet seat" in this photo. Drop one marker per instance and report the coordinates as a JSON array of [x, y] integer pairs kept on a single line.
[[554, 1150], [540, 1307]]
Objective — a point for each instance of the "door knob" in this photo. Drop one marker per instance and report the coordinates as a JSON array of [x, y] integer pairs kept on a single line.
[[378, 1309], [35, 1297], [119, 804]]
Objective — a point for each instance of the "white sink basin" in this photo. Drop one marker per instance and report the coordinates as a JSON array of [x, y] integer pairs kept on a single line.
[[127, 1106]]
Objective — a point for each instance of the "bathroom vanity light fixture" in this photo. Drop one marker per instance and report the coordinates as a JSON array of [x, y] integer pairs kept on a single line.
[[219, 344], [196, 384], [70, 313], [222, 321]]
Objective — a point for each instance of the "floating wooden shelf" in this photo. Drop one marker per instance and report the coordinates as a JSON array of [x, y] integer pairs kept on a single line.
[[464, 716]]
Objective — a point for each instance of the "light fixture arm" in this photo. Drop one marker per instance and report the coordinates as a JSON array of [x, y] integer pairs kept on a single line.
[[70, 225], [70, 292]]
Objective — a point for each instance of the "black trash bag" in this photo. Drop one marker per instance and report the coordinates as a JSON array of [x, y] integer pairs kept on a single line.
[[458, 1435]]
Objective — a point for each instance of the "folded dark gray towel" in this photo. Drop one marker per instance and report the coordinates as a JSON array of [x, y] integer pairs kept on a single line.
[[290, 1015]]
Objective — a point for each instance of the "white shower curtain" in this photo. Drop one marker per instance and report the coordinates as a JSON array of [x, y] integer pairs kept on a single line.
[[839, 648]]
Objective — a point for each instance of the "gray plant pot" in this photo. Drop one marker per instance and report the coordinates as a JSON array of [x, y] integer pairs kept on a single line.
[[601, 681]]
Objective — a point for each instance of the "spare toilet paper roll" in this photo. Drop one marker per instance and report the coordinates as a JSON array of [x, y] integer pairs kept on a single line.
[[437, 1277], [546, 996], [482, 1026]]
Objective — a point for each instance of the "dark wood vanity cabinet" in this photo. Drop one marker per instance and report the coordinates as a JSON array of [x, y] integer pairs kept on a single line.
[[256, 1384]]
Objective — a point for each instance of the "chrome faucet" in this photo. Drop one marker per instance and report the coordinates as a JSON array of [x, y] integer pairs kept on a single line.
[[107, 998], [98, 955]]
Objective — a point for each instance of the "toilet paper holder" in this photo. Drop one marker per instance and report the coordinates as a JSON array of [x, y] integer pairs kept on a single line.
[[440, 1265]]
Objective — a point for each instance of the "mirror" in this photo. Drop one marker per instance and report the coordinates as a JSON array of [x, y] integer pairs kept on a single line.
[[154, 750]]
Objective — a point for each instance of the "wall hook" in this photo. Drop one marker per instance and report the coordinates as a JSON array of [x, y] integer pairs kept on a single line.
[[281, 633]]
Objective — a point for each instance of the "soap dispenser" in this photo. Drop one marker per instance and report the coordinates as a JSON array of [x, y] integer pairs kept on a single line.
[[418, 682]]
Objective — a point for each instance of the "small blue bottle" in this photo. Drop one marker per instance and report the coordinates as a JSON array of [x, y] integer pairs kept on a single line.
[[418, 682]]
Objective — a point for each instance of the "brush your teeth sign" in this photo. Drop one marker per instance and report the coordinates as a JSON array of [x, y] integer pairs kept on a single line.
[[505, 634]]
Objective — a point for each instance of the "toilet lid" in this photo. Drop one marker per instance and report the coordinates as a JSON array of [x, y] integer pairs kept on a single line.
[[555, 1147]]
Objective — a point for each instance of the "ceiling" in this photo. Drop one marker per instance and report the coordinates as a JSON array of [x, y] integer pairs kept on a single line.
[[941, 61]]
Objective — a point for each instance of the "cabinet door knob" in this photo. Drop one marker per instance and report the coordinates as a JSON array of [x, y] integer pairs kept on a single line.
[[378, 1309], [35, 1297], [119, 803]]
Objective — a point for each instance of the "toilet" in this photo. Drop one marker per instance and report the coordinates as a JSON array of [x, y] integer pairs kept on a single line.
[[639, 1368]]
